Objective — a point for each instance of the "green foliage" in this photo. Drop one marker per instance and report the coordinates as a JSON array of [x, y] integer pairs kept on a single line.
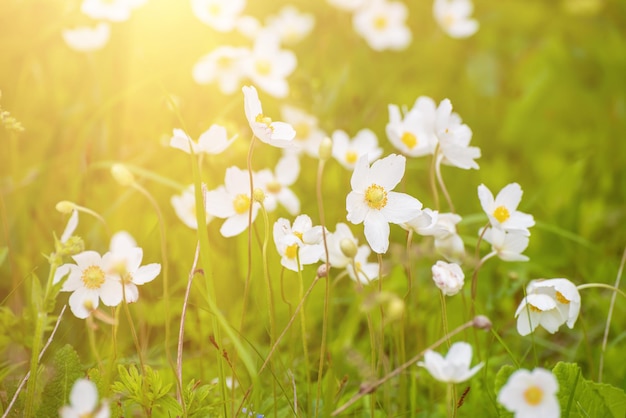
[[66, 368], [198, 400]]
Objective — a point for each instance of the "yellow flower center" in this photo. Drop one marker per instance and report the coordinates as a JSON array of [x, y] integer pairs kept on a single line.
[[241, 203], [380, 22], [214, 9], [534, 308], [261, 118], [561, 298], [376, 197], [409, 140], [303, 130], [448, 20], [93, 277], [533, 395], [263, 67], [223, 63], [501, 214], [274, 186], [291, 251], [298, 234], [351, 157]]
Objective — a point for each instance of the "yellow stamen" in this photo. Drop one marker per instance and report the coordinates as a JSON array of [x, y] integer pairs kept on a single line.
[[448, 20], [291, 251], [376, 197], [351, 157], [263, 67], [562, 299], [261, 118], [380, 22], [93, 277], [274, 186], [224, 63], [214, 9], [241, 203], [303, 130], [533, 395], [298, 234], [501, 214], [534, 308], [409, 140]]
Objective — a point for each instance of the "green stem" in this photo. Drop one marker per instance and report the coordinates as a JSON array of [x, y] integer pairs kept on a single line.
[[431, 177], [601, 286]]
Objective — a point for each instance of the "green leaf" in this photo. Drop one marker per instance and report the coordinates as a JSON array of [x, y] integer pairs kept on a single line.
[[4, 251], [501, 378], [66, 369]]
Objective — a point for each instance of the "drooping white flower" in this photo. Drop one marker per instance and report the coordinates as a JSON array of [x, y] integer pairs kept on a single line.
[[185, 207], [308, 134], [276, 185], [502, 211], [507, 245], [291, 25], [221, 15], [549, 303], [448, 277], [300, 244], [111, 10], [454, 138], [86, 38], [455, 367], [373, 202], [224, 65], [382, 24], [531, 394], [232, 201], [212, 141], [84, 402], [268, 65], [278, 134], [454, 17], [348, 151]]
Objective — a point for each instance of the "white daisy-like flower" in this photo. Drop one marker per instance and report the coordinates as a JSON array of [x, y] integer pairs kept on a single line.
[[549, 303], [185, 207], [348, 151], [454, 138], [507, 245], [276, 185], [308, 134], [232, 201], [502, 211], [221, 15], [448, 277], [382, 24], [85, 38], [366, 271], [291, 25], [531, 394], [212, 141], [89, 281], [84, 402], [414, 133], [373, 202], [300, 244], [268, 65], [454, 17], [224, 65], [455, 367], [278, 134]]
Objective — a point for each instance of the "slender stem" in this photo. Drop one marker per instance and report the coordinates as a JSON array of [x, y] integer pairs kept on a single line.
[[132, 329], [444, 315], [431, 177], [443, 185], [91, 335], [506, 348], [601, 286], [478, 265], [409, 275], [249, 270], [305, 347]]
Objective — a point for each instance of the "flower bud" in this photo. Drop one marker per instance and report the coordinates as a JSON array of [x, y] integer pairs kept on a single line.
[[72, 246], [348, 247], [258, 195], [448, 277], [482, 322], [122, 174], [322, 271], [65, 206], [326, 149]]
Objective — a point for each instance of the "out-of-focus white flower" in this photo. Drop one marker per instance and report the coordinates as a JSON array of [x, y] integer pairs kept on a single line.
[[455, 367], [502, 211], [308, 134], [348, 151], [278, 134], [111, 10], [349, 5], [366, 271], [508, 246], [212, 141], [185, 207], [373, 202], [441, 226], [454, 17], [413, 134], [268, 65], [454, 138], [291, 25], [300, 244], [382, 24], [448, 277], [337, 242], [549, 303], [85, 38], [221, 15], [276, 185], [224, 65], [531, 394], [249, 26], [84, 402]]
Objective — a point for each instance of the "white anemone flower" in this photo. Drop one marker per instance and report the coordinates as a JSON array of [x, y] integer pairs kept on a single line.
[[308, 134], [276, 185], [454, 138], [291, 25], [348, 151], [373, 202], [549, 303], [448, 277], [502, 211], [84, 402], [86, 38], [185, 207], [212, 141], [337, 243], [366, 271], [221, 15], [298, 245], [232, 201], [531, 394], [278, 134], [382, 24], [454, 17], [455, 367], [441, 226], [268, 65], [507, 245], [224, 65]]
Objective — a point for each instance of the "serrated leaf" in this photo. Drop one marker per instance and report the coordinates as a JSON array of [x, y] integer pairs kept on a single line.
[[67, 369]]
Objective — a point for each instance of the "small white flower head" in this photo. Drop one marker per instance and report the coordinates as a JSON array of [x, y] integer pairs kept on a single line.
[[366, 271], [382, 24], [221, 15], [531, 394], [249, 26], [448, 277], [232, 201], [348, 151], [85, 38], [268, 65], [291, 25], [300, 244], [454, 17], [337, 242], [185, 207], [413, 134], [276, 185], [111, 10], [455, 367], [507, 245], [441, 226], [84, 402], [373, 202], [212, 141], [278, 134], [348, 5], [549, 303], [89, 281], [502, 211], [454, 138], [308, 134], [224, 65]]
